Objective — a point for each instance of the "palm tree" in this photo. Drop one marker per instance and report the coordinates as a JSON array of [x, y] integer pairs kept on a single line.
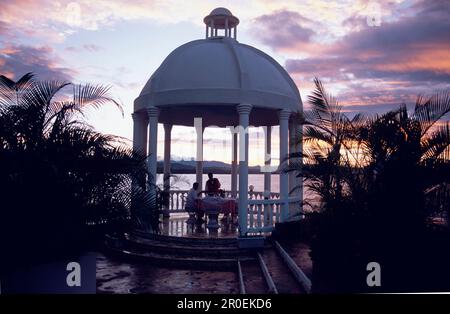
[[346, 157], [373, 177], [408, 155], [61, 181], [328, 134]]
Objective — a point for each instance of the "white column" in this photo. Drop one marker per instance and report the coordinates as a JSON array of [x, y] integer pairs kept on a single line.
[[137, 141], [167, 140], [291, 150], [166, 178], [267, 159], [199, 160], [153, 114], [140, 123], [284, 180], [295, 147], [234, 168], [143, 131], [244, 115], [199, 173], [136, 135], [226, 27], [299, 151], [267, 174]]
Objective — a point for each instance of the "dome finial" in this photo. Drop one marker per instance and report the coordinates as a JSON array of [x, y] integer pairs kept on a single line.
[[221, 18]]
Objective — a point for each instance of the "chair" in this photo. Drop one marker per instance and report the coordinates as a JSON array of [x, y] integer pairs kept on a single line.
[[191, 220]]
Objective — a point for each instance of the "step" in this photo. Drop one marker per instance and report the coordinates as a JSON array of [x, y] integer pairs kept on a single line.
[[170, 260], [184, 249], [193, 241], [181, 245]]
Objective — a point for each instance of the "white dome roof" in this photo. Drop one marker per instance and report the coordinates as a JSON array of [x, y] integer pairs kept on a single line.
[[219, 71]]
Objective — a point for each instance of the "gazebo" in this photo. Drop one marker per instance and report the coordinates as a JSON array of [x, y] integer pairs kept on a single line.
[[220, 82]]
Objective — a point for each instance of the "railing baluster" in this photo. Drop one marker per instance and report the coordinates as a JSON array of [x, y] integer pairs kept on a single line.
[[267, 209], [259, 215], [183, 200], [177, 202]]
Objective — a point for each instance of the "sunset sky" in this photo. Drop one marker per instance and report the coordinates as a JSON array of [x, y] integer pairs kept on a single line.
[[372, 55]]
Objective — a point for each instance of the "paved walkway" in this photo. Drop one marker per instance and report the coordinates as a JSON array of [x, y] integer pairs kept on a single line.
[[116, 276]]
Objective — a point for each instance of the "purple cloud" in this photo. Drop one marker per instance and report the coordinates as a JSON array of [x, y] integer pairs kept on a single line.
[[18, 60], [283, 29], [386, 65]]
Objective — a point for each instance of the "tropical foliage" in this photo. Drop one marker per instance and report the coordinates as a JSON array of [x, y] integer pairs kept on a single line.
[[380, 181], [62, 183]]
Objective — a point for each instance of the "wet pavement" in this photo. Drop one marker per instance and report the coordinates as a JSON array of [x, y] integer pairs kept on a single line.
[[118, 276]]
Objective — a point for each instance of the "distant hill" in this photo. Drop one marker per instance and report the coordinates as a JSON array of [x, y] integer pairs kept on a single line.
[[188, 166]]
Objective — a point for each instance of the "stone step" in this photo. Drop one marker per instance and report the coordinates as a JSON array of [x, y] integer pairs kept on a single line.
[[177, 261], [184, 249], [192, 240]]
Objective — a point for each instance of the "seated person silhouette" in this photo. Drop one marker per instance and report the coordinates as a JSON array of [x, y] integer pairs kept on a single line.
[[212, 187], [192, 205]]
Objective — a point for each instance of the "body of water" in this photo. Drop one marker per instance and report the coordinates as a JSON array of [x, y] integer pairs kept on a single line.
[[185, 181]]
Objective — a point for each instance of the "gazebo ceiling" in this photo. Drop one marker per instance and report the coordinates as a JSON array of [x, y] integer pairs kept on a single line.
[[209, 77]]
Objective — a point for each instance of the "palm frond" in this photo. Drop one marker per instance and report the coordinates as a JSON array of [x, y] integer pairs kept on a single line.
[[24, 81], [358, 119], [9, 89], [437, 145], [95, 96], [6, 82], [320, 99], [429, 111], [315, 134], [41, 94]]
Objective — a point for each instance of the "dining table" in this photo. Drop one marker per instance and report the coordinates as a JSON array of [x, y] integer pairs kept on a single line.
[[215, 205]]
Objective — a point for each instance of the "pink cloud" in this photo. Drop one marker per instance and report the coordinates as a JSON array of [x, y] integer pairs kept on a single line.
[[18, 60], [283, 29], [380, 66]]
